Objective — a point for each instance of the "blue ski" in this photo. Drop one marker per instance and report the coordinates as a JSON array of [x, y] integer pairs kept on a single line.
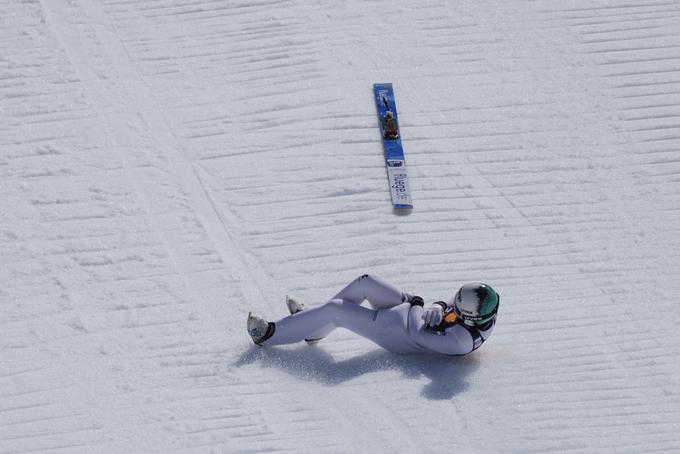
[[394, 153]]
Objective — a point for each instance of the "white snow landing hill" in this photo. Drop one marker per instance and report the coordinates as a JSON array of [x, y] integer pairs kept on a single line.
[[167, 166]]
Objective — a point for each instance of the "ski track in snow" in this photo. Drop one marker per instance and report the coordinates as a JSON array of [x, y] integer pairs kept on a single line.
[[168, 166]]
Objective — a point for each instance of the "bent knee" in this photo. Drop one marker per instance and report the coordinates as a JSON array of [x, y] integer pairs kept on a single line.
[[335, 305], [368, 277]]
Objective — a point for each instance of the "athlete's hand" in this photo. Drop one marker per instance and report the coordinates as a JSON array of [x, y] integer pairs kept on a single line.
[[415, 300], [432, 315]]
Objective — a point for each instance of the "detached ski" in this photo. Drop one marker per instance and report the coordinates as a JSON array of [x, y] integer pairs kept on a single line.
[[394, 153]]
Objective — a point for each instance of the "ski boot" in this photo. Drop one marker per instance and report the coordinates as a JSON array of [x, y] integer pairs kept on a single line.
[[259, 329]]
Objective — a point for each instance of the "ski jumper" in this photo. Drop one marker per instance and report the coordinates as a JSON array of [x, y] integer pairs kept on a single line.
[[394, 321]]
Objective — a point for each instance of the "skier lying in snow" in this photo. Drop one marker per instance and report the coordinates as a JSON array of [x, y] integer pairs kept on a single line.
[[399, 321]]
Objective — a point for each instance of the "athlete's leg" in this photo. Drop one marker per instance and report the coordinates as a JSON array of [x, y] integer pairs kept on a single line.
[[343, 310], [384, 327], [316, 322], [303, 325], [379, 293]]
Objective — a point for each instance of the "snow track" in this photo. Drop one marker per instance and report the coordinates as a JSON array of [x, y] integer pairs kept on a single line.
[[167, 166]]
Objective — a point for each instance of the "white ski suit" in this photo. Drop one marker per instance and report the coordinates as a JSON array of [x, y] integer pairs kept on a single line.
[[394, 323]]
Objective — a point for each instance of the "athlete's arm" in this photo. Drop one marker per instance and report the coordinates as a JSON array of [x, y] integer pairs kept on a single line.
[[453, 341]]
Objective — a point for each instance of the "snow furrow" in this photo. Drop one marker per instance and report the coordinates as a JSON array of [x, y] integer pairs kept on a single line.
[[168, 166]]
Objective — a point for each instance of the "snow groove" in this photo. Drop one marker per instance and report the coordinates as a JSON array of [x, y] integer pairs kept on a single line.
[[168, 166]]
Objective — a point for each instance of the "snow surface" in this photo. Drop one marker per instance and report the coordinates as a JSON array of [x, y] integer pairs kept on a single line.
[[168, 165]]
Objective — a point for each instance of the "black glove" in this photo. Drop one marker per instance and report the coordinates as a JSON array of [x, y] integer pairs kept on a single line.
[[416, 301]]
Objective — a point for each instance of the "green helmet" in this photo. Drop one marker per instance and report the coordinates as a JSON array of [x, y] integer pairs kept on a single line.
[[476, 303]]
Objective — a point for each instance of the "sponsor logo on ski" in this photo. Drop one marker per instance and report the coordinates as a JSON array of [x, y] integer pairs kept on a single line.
[[395, 163], [399, 186]]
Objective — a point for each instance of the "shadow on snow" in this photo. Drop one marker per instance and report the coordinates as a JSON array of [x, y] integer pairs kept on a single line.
[[448, 375]]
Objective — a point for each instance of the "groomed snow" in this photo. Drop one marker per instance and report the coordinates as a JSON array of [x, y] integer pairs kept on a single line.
[[167, 166]]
